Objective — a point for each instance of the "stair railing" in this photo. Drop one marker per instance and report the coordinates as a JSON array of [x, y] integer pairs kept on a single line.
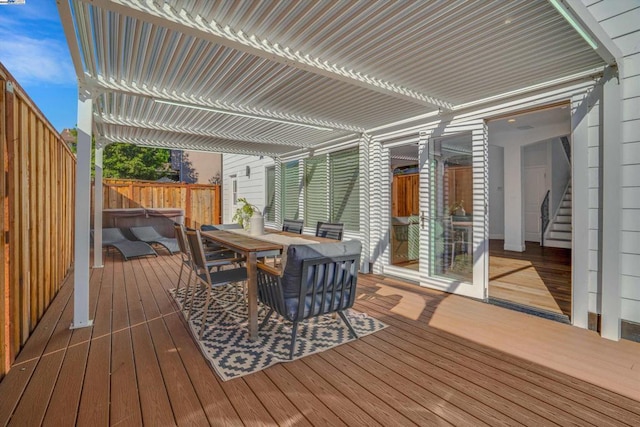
[[567, 147], [544, 216]]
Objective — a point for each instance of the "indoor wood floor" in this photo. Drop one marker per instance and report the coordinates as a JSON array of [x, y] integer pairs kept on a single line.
[[443, 360], [539, 278]]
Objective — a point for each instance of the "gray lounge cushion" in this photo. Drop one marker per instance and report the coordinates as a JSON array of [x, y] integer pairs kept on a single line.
[[128, 248], [149, 234]]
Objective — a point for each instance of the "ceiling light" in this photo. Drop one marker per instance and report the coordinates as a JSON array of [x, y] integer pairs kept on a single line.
[[234, 113], [511, 120], [571, 20]]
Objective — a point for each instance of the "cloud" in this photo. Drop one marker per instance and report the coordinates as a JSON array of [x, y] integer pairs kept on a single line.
[[34, 60]]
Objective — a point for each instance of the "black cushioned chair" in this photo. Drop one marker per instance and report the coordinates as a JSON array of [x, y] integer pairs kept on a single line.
[[293, 225], [317, 279], [330, 230]]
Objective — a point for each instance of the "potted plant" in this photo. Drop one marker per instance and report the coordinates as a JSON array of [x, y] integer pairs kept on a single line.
[[244, 213], [457, 209]]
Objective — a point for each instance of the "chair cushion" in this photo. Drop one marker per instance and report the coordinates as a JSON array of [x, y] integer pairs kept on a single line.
[[291, 304], [298, 253]]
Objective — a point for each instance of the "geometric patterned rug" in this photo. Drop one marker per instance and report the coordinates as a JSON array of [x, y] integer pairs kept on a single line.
[[225, 342]]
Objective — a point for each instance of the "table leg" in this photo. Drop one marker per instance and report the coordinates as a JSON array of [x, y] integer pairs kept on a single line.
[[252, 289]]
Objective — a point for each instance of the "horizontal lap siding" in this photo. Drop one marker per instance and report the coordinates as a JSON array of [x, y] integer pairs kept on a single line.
[[252, 187], [620, 20], [37, 216]]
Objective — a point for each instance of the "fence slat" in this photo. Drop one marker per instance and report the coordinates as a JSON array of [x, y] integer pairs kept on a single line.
[[36, 214], [200, 202]]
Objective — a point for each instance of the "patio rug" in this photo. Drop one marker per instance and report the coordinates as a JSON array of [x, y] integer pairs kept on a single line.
[[225, 342]]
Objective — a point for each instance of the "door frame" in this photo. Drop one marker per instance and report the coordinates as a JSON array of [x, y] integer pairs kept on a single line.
[[479, 286], [477, 127]]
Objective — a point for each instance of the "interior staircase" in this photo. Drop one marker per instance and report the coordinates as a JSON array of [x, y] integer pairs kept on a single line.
[[558, 233]]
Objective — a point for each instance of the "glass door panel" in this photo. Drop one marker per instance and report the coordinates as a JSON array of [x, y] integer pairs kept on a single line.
[[404, 233], [450, 218]]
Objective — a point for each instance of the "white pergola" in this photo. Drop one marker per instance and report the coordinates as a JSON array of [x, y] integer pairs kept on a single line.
[[280, 77]]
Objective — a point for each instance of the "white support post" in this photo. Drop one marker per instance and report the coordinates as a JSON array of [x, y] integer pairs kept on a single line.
[[580, 201], [82, 213], [97, 207], [611, 205], [279, 191], [513, 206]]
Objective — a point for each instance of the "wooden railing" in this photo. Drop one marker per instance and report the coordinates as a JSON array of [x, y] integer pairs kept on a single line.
[[36, 216], [201, 202]]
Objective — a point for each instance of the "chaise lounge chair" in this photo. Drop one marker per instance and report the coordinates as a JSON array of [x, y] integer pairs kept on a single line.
[[113, 237], [150, 235]]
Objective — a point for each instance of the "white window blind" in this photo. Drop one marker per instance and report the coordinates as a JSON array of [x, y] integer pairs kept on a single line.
[[291, 190], [316, 190], [344, 188], [270, 203]]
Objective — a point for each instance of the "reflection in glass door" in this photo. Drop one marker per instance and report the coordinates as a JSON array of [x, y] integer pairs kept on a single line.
[[451, 216], [404, 233]]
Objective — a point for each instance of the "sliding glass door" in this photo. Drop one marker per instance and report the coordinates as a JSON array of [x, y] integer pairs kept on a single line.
[[450, 225]]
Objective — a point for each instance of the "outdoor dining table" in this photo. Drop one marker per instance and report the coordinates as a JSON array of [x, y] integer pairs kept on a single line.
[[252, 247]]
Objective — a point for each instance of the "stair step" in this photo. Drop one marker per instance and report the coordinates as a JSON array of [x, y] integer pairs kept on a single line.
[[557, 243], [566, 204], [561, 226], [560, 235], [564, 211]]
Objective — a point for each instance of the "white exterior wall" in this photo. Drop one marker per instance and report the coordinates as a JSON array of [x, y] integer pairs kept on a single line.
[[620, 20], [252, 187]]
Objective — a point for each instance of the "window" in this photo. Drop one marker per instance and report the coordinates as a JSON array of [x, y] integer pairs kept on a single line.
[[332, 191], [316, 190], [234, 191], [345, 188], [270, 203], [290, 190]]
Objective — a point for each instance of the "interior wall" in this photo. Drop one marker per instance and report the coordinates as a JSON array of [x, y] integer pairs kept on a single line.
[[560, 173], [496, 192]]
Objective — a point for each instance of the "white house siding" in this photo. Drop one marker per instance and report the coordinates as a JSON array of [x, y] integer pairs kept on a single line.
[[620, 20], [252, 187]]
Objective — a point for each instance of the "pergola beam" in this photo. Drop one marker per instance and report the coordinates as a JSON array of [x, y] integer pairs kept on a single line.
[[606, 48], [149, 125], [99, 86], [198, 27]]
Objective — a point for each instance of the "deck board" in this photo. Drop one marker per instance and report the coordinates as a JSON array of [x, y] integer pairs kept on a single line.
[[443, 360]]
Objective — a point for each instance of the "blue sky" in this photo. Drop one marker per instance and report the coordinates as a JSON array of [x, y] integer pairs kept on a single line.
[[34, 49]]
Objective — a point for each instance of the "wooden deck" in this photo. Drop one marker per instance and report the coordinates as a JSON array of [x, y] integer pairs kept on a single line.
[[444, 360], [539, 277]]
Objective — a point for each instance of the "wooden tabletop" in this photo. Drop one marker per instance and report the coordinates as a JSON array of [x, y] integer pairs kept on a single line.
[[239, 242]]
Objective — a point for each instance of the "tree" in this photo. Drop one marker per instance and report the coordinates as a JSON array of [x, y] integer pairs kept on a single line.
[[129, 161], [132, 162]]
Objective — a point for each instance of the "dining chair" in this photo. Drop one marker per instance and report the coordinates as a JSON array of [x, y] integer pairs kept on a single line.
[[453, 238], [317, 279], [330, 230], [215, 259], [293, 225], [204, 276]]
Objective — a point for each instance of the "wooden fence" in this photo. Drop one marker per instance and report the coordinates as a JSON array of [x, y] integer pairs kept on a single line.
[[200, 202], [36, 215]]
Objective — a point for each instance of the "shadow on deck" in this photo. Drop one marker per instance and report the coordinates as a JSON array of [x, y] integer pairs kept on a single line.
[[443, 359]]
